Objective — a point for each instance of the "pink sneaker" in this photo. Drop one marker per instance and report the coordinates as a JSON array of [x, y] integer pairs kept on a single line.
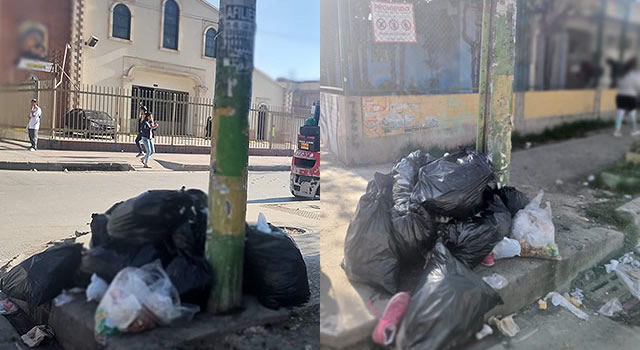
[[489, 260], [387, 326]]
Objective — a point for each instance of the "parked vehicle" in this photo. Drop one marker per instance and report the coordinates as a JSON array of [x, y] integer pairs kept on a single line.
[[305, 164], [89, 123]]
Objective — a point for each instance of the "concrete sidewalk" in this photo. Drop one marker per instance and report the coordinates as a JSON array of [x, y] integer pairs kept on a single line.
[[14, 155], [346, 318]]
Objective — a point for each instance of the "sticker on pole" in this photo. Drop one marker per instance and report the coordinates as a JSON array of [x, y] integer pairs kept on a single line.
[[393, 22], [238, 31]]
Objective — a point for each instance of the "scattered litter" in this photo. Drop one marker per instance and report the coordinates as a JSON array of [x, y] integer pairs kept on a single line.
[[628, 258], [507, 326], [557, 299], [66, 170], [628, 196], [97, 288], [527, 145], [507, 248], [630, 276], [34, 170], [485, 331], [559, 182], [7, 307], [577, 295], [572, 300], [611, 266], [496, 281], [591, 178], [262, 225], [542, 304], [533, 228], [585, 183], [589, 276], [612, 307], [37, 335], [64, 298]]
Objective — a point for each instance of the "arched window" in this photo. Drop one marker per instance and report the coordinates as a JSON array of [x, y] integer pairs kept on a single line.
[[121, 22], [210, 43], [171, 24]]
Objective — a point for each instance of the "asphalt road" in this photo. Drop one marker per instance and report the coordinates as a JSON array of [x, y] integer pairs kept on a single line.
[[37, 207]]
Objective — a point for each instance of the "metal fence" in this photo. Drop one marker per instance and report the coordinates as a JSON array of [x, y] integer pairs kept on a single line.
[[110, 114]]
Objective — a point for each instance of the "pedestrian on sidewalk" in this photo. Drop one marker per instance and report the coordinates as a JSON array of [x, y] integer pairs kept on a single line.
[[143, 111], [627, 98], [34, 124], [147, 130]]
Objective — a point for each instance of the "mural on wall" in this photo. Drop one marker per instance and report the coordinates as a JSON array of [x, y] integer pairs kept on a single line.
[[397, 115], [329, 121], [33, 41]]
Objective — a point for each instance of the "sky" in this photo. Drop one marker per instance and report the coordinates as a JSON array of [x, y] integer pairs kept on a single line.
[[287, 38]]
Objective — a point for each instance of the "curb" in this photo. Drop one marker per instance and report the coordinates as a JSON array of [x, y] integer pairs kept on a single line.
[[202, 167], [45, 166]]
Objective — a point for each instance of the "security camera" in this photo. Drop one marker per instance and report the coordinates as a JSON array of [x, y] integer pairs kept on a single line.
[[92, 42]]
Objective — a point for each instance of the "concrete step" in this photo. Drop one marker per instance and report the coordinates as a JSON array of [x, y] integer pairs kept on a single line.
[[346, 318]]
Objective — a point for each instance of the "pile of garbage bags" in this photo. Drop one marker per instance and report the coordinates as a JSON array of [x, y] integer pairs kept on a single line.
[[146, 265], [448, 214]]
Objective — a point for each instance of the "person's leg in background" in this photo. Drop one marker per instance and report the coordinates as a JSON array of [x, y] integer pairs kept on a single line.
[[31, 140], [619, 118], [138, 139], [35, 139], [634, 124]]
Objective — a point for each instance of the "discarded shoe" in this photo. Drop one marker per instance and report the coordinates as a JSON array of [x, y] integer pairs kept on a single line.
[[489, 260], [385, 331]]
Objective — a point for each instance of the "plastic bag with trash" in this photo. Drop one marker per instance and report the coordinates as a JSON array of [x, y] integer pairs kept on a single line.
[[414, 234], [137, 299], [447, 307], [43, 276], [471, 240], [533, 228], [455, 185], [151, 216], [507, 248], [274, 269], [193, 278], [513, 199], [630, 276], [405, 176], [368, 254]]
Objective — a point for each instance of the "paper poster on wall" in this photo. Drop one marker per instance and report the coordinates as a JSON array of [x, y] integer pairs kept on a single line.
[[393, 22], [397, 115]]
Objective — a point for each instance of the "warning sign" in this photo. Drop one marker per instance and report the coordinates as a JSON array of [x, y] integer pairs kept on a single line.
[[393, 22]]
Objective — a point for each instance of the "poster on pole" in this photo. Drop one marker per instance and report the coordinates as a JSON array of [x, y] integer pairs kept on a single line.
[[393, 22]]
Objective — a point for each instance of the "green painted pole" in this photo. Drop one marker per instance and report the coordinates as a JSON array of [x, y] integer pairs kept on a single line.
[[230, 153], [497, 64]]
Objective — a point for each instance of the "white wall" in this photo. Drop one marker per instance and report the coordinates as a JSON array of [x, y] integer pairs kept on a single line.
[[266, 90], [122, 63]]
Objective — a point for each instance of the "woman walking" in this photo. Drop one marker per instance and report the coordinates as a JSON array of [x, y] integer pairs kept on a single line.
[[627, 98], [146, 130]]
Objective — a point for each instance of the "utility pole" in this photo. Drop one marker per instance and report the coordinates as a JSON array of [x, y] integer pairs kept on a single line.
[[626, 9], [230, 153], [497, 62]]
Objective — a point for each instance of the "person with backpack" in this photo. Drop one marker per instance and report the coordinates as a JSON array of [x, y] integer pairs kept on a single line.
[[147, 130], [34, 124], [143, 111]]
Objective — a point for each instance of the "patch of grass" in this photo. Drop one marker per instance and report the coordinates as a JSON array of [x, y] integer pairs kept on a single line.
[[605, 214], [560, 132], [624, 170]]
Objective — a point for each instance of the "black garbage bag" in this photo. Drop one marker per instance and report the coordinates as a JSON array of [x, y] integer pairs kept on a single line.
[[274, 269], [454, 185], [405, 175], [43, 276], [193, 278], [414, 234], [368, 248], [471, 240], [151, 216], [447, 307], [513, 199], [99, 234], [107, 260]]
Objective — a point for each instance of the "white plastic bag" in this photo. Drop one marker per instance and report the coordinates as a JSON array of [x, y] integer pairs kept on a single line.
[[97, 288], [557, 299], [136, 300], [533, 228], [496, 281], [507, 248], [612, 307]]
